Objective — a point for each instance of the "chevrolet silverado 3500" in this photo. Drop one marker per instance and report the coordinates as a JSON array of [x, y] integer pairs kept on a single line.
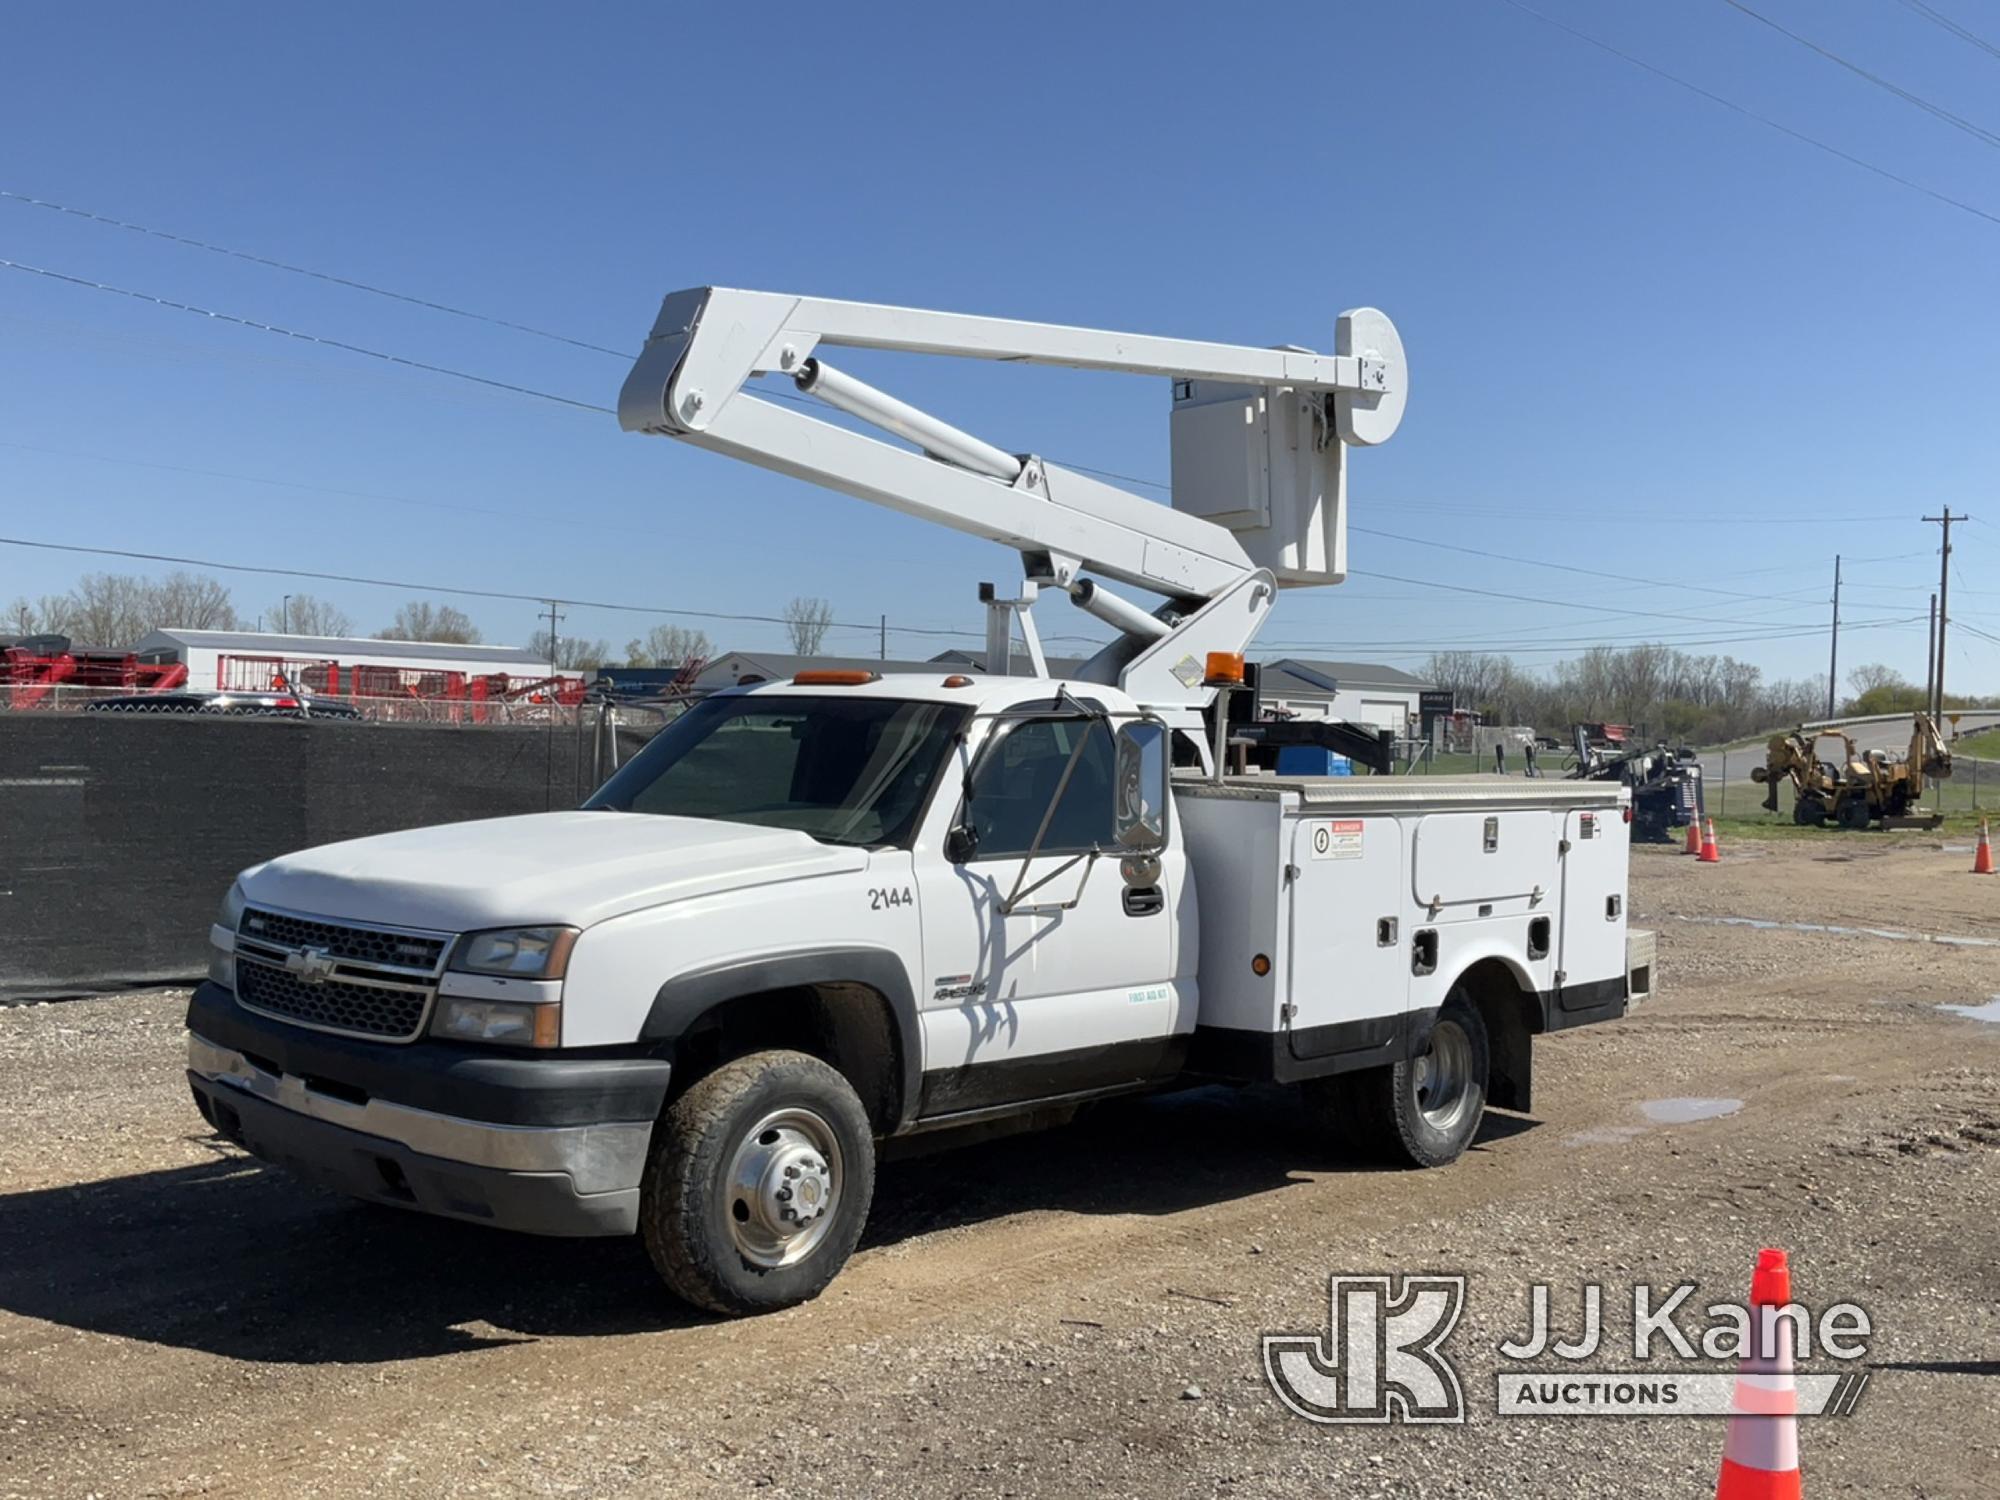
[[815, 914]]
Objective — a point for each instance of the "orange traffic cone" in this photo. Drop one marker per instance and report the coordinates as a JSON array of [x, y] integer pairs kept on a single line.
[[1760, 1456], [1694, 837], [1711, 854], [1982, 857]]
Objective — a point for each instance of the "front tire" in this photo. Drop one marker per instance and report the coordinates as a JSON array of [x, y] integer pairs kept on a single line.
[[758, 1184], [1423, 1111]]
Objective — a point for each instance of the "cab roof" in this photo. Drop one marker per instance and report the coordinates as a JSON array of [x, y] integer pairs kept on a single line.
[[974, 688]]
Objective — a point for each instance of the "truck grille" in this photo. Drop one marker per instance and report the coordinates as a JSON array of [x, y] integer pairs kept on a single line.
[[368, 945], [360, 981], [392, 1012]]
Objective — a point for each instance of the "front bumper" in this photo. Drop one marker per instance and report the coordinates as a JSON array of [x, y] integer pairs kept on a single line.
[[553, 1145]]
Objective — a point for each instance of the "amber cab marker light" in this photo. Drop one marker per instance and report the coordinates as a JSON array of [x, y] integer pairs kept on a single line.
[[826, 678], [1260, 966], [1224, 669]]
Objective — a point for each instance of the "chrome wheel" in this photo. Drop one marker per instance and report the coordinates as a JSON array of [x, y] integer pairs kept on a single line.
[[784, 1184], [1443, 1077]]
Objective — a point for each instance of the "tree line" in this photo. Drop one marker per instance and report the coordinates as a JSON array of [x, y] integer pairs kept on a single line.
[[113, 610], [1668, 694]]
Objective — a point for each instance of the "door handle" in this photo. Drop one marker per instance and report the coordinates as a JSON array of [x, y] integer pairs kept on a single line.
[[1144, 901]]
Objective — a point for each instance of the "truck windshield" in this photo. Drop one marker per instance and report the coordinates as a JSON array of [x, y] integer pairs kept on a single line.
[[843, 770]]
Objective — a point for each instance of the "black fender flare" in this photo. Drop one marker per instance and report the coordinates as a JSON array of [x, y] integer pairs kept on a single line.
[[686, 998]]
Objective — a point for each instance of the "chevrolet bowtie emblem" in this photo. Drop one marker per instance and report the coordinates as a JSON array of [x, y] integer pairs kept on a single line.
[[311, 965]]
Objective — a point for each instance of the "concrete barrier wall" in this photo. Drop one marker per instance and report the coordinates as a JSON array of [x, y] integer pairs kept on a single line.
[[119, 834]]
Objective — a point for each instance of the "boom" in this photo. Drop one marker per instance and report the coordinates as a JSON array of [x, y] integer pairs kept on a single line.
[[1259, 440]]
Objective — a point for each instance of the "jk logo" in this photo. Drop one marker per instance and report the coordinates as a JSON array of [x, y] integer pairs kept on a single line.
[[1379, 1359]]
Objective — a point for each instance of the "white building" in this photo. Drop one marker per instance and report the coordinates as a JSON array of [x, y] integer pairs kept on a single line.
[[251, 661], [1354, 691]]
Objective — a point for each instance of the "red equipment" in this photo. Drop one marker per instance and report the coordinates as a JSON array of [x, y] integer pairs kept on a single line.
[[35, 666]]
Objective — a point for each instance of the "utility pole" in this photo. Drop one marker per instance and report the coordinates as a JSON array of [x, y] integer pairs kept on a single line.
[[885, 637], [549, 752], [1930, 657], [1944, 605], [1833, 660], [553, 618], [285, 616]]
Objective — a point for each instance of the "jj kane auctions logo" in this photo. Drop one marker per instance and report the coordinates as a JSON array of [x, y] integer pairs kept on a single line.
[[1382, 1356]]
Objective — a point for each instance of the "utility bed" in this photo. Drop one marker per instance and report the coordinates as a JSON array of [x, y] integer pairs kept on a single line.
[[1368, 898]]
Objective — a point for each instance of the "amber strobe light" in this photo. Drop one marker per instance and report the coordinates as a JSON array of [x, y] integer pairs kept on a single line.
[[1224, 669], [826, 678], [1260, 965]]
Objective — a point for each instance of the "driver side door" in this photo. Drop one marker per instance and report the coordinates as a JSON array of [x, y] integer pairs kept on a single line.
[[1069, 987]]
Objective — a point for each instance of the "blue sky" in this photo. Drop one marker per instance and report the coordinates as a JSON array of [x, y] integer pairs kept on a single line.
[[1648, 336]]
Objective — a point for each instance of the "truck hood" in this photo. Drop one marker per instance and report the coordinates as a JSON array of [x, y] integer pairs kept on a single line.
[[574, 868]]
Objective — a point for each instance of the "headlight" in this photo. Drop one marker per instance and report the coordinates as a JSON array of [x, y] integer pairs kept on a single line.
[[516, 952], [232, 907], [517, 1023]]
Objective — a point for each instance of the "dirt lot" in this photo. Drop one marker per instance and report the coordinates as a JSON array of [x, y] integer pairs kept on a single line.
[[1075, 1312]]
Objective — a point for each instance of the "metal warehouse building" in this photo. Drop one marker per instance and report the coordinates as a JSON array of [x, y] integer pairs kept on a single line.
[[1354, 691], [251, 661]]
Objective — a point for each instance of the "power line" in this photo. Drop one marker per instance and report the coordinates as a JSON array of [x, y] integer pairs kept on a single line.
[[310, 338], [1935, 110], [280, 265], [1938, 18], [1537, 562], [1520, 598], [471, 593], [1761, 119], [1421, 648]]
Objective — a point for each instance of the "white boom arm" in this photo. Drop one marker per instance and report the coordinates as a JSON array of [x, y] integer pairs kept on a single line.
[[689, 383]]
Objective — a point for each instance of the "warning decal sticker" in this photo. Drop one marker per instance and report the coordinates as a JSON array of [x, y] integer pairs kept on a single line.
[[1338, 839]]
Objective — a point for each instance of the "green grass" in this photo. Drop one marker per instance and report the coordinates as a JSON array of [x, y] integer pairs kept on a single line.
[[1985, 743], [1737, 806]]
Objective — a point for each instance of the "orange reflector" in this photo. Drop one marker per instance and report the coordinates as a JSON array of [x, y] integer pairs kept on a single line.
[[957, 680], [823, 678], [1224, 669], [1260, 965]]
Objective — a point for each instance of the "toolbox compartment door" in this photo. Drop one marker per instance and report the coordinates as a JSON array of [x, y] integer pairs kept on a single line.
[[1590, 954], [1347, 975], [1463, 861]]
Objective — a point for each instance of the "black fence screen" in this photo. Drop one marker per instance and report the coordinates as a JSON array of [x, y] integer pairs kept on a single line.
[[119, 834]]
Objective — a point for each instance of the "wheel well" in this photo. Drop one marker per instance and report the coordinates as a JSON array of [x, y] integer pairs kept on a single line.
[[1512, 1015], [847, 1025]]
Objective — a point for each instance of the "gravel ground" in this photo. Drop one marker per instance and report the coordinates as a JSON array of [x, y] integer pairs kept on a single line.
[[1077, 1311]]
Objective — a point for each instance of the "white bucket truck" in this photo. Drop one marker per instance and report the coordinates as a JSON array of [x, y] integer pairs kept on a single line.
[[815, 914]]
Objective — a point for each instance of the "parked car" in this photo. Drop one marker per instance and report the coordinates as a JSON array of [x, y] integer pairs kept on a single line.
[[250, 705]]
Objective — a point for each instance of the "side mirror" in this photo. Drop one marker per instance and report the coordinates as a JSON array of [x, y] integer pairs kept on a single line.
[[1139, 824], [960, 845]]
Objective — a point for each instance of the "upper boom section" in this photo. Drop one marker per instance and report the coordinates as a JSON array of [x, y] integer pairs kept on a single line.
[[1259, 434]]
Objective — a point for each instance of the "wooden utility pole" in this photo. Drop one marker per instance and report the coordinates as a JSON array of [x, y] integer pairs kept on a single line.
[[1944, 605], [1833, 659], [885, 637]]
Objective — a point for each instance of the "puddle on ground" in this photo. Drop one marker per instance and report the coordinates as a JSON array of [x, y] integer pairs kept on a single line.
[[1688, 1111], [1990, 1011], [1657, 1112], [1890, 934]]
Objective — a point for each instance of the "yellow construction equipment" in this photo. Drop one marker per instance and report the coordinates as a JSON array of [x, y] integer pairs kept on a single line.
[[1832, 781]]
